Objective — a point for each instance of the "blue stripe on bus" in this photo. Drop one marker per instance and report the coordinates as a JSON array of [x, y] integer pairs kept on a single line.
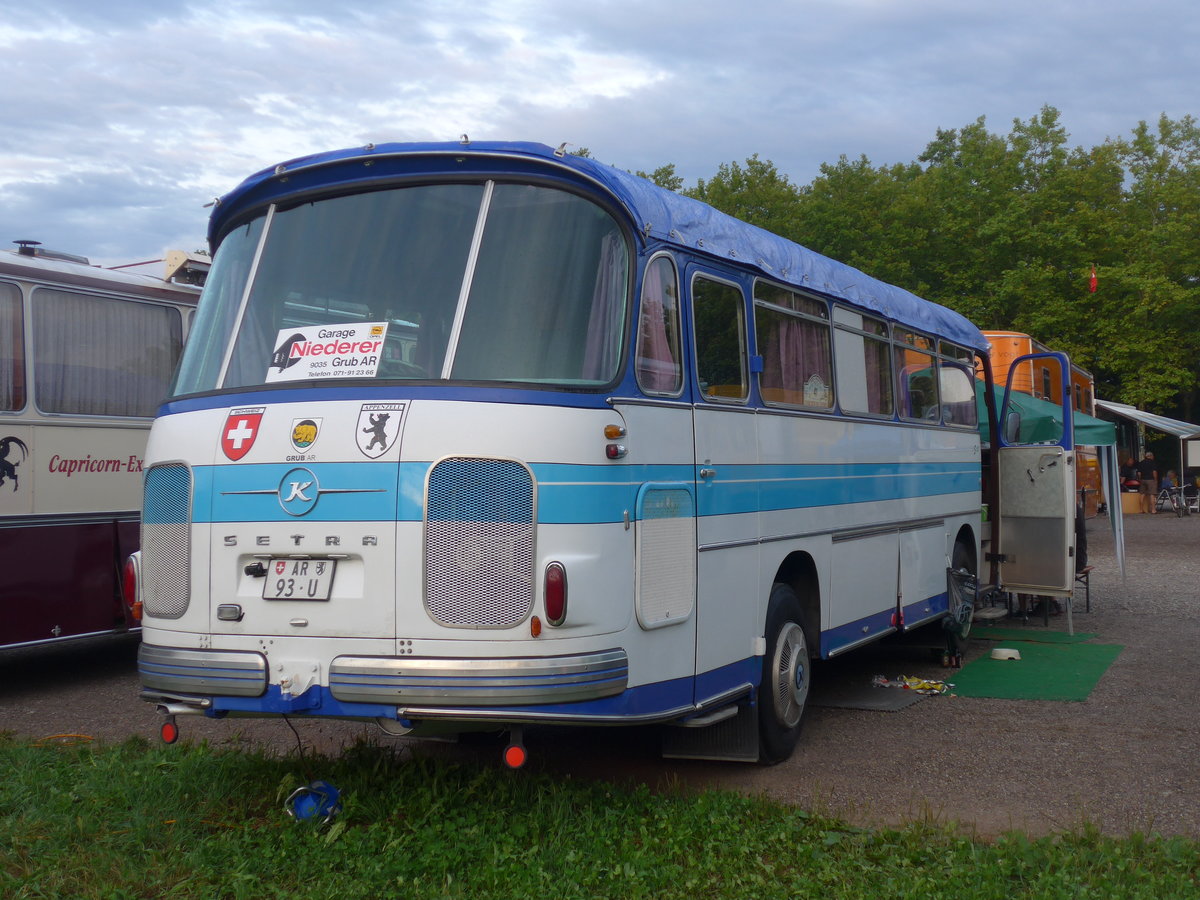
[[582, 494], [344, 492], [645, 701], [915, 612], [869, 627]]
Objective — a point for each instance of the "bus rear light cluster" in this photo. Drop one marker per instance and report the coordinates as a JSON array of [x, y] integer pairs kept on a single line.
[[612, 433], [555, 593], [129, 588]]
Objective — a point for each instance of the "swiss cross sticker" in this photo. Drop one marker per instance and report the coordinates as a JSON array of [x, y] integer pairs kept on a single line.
[[240, 430]]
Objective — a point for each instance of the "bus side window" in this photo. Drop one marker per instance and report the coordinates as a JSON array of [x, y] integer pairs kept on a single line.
[[720, 320], [957, 384], [12, 349], [864, 363], [97, 357], [918, 377], [792, 332], [659, 362]]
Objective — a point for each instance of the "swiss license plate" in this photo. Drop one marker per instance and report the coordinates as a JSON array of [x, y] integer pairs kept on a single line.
[[299, 579]]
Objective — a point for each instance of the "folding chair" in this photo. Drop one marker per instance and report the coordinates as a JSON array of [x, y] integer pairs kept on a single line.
[[1167, 499], [1191, 499]]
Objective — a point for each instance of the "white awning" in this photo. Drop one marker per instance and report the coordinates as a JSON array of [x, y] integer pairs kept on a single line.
[[1174, 427]]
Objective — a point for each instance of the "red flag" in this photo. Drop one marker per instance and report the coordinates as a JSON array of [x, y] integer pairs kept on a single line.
[[1092, 281]]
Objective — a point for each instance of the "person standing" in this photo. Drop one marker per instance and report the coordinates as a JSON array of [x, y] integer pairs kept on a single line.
[[1148, 473], [1129, 475]]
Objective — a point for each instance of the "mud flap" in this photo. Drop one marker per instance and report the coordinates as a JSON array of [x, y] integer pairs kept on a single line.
[[722, 736]]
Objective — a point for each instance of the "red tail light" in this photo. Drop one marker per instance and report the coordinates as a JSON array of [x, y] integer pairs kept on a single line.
[[555, 593], [129, 591]]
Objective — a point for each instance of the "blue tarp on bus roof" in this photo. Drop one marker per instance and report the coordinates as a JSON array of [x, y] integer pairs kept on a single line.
[[657, 214]]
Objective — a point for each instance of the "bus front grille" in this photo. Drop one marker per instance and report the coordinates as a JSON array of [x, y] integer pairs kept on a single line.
[[166, 541], [479, 542]]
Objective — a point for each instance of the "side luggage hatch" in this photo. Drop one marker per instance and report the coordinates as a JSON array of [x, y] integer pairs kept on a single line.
[[1034, 527]]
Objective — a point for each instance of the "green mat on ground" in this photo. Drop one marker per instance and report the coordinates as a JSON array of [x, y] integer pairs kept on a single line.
[[1044, 672], [1035, 634]]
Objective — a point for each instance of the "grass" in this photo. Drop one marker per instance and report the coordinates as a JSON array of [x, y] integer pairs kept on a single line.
[[135, 820]]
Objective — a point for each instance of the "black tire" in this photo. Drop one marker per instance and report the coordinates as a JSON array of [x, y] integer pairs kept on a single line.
[[783, 692], [958, 632]]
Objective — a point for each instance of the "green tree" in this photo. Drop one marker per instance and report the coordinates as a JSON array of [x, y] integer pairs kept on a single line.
[[758, 194], [665, 177], [1154, 282]]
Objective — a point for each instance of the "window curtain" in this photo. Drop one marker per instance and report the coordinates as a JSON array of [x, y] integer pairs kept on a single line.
[[879, 377], [796, 350], [658, 364], [96, 356], [604, 332], [12, 352]]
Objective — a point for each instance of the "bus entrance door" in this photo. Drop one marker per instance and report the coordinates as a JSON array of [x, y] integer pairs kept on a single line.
[[1034, 530]]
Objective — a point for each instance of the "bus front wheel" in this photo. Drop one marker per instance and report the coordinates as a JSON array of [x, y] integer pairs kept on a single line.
[[783, 693]]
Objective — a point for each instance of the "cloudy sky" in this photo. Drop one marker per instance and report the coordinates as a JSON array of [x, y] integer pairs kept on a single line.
[[120, 119]]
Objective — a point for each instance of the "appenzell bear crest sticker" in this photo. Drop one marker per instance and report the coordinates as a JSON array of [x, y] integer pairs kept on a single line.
[[379, 427]]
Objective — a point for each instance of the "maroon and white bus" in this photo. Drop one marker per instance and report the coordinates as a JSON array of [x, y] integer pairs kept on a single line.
[[86, 355]]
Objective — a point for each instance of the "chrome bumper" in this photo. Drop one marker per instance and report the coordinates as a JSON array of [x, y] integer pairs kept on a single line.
[[400, 681], [226, 673], [533, 681]]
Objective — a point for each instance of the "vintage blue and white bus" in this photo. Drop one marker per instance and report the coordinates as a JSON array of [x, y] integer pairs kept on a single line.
[[482, 435], [86, 357]]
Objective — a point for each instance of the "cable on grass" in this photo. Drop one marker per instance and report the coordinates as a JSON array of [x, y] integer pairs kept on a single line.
[[63, 740]]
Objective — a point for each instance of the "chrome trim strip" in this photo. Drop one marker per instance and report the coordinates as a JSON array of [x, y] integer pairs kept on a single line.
[[53, 520], [479, 682], [531, 717], [229, 673], [115, 632], [844, 535], [918, 623], [464, 291], [728, 545], [511, 717], [861, 641], [857, 534], [922, 524], [251, 275], [664, 402], [898, 525]]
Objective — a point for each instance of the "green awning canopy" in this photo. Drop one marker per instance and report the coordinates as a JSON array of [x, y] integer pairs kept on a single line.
[[1042, 421]]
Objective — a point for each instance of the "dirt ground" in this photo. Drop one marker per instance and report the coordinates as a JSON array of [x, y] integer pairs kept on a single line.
[[1125, 760]]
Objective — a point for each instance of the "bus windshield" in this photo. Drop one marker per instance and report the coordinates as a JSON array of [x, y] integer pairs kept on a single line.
[[466, 282]]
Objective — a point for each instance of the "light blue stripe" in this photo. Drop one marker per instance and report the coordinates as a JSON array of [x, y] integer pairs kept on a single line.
[[232, 491], [574, 494]]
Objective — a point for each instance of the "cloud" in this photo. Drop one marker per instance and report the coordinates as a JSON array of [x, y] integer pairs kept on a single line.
[[136, 112]]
